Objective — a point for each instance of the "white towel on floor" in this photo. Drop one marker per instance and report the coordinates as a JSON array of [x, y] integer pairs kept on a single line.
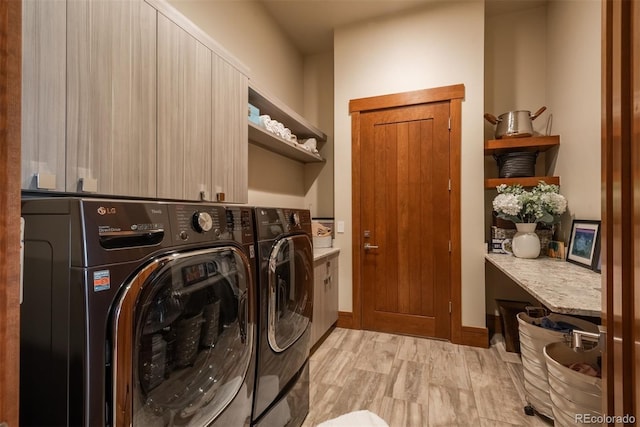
[[357, 418]]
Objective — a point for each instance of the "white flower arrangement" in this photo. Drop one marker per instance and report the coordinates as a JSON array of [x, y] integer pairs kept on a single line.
[[543, 203]]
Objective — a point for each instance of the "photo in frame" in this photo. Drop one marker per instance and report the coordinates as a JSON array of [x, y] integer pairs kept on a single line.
[[584, 243]]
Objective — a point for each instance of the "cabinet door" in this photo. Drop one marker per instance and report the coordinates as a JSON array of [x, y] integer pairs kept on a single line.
[[184, 113], [319, 274], [230, 132], [331, 295], [43, 94], [111, 97]]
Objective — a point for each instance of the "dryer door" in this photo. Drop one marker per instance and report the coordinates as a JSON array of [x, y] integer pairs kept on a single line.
[[290, 290], [182, 341]]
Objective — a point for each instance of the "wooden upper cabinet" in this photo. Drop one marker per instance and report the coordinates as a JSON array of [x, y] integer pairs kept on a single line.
[[111, 97], [43, 95], [230, 153], [130, 98], [184, 113], [202, 120]]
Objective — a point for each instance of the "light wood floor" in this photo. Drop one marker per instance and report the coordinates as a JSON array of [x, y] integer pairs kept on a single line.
[[410, 381]]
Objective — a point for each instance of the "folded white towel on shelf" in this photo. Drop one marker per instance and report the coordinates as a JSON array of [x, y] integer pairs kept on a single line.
[[264, 119], [310, 144]]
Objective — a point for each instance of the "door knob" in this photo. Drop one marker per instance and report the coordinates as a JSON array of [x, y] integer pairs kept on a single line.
[[368, 246]]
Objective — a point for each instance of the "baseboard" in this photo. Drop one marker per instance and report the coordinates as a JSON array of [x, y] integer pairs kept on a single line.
[[472, 336], [345, 319], [323, 338], [475, 337]]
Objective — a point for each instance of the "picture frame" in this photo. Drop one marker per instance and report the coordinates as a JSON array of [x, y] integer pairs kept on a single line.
[[584, 243], [597, 265]]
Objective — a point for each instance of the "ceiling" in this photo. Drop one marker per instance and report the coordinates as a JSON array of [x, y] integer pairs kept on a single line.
[[309, 24]]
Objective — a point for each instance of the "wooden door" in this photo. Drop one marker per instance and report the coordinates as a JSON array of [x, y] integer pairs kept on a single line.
[[10, 82], [111, 97], [184, 113], [405, 219], [621, 209]]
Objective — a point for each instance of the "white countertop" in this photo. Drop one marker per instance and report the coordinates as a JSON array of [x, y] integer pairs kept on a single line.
[[561, 286], [319, 253]]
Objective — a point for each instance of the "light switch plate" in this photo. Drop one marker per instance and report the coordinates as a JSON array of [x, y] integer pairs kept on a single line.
[[340, 227]]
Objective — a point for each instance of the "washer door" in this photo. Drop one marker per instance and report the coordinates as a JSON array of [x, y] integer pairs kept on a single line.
[[290, 290], [182, 341]]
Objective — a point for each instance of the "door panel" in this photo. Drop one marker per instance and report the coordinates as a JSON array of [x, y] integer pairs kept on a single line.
[[184, 140], [44, 92], [182, 340], [111, 97], [290, 291], [405, 211]]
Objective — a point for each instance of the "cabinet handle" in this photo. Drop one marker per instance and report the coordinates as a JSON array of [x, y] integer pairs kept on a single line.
[[45, 181], [88, 185]]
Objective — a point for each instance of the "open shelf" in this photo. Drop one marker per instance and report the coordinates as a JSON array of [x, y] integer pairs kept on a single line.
[[265, 139], [299, 126], [533, 143], [529, 181], [277, 110]]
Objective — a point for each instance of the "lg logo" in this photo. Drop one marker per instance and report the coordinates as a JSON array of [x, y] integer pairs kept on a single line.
[[106, 211]]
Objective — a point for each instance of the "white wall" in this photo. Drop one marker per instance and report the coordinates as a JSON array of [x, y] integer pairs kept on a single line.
[[515, 64], [318, 109], [515, 77], [247, 31], [557, 64], [439, 45], [574, 97]]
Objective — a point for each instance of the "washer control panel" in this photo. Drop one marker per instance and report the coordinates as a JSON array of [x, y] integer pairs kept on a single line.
[[195, 223], [202, 222]]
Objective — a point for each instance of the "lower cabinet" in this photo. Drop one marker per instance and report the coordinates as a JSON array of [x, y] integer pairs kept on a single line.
[[325, 295]]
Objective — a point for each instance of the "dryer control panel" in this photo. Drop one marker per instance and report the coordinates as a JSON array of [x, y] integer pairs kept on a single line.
[[297, 219], [271, 222]]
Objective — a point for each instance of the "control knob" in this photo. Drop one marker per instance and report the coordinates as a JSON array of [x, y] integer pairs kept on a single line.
[[202, 222]]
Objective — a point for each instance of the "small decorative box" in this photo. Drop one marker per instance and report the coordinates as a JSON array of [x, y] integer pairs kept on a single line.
[[254, 114]]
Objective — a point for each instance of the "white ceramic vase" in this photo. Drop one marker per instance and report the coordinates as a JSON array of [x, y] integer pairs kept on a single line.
[[526, 243]]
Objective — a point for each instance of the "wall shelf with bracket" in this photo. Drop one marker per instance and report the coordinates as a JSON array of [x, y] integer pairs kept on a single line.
[[299, 126], [267, 140], [533, 143]]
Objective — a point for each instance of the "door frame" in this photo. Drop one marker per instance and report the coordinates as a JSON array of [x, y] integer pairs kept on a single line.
[[454, 94], [620, 208], [10, 119]]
